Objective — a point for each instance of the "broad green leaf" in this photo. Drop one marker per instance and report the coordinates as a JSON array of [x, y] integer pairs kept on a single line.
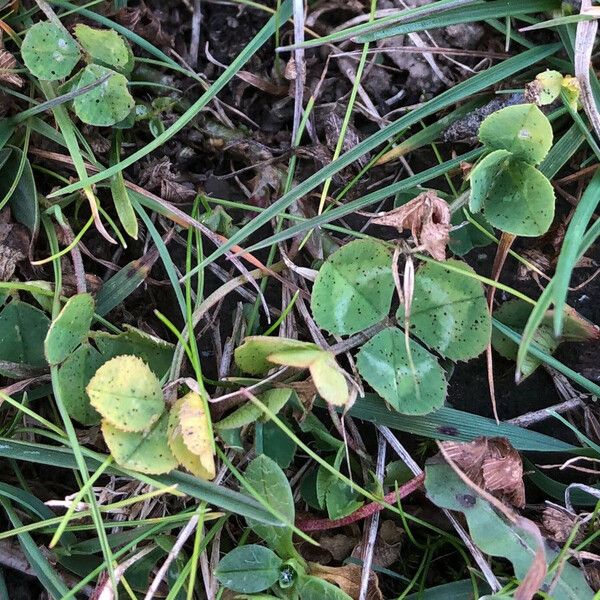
[[451, 424], [252, 356], [105, 47], [270, 482], [276, 444], [23, 200], [106, 104], [157, 353], [49, 52], [464, 236], [189, 436], [354, 288], [70, 328], [249, 569], [73, 376], [313, 588], [515, 197], [449, 312], [127, 393], [23, 329], [274, 400], [413, 385], [496, 537], [145, 451], [522, 129]]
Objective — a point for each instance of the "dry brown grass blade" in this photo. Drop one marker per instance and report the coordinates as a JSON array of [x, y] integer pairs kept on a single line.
[[584, 44], [506, 241]]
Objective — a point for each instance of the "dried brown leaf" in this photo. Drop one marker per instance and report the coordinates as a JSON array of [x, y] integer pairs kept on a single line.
[[559, 523], [143, 21], [428, 218], [592, 574], [14, 244], [8, 64], [492, 464], [348, 579]]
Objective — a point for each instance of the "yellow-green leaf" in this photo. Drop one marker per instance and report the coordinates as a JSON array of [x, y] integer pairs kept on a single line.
[[127, 393], [189, 436], [145, 451]]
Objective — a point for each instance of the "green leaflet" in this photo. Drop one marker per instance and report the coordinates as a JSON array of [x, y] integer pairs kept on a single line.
[[268, 480], [106, 104], [249, 569], [413, 384], [49, 52], [449, 312], [522, 129], [354, 288], [70, 328]]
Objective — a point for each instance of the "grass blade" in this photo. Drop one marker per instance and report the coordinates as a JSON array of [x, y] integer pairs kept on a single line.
[[471, 86], [451, 424], [568, 253], [216, 495]]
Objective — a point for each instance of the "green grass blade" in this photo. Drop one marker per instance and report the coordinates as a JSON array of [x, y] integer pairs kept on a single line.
[[461, 91], [569, 251], [38, 562], [495, 9], [360, 203], [215, 495], [451, 424]]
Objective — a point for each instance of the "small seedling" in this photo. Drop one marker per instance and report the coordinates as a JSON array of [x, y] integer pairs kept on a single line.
[[506, 186], [278, 568]]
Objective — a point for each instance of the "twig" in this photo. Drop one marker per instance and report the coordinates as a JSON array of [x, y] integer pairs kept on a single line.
[[300, 67], [369, 547], [195, 36]]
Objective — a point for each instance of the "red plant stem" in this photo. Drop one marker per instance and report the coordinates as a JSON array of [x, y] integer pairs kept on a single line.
[[364, 511]]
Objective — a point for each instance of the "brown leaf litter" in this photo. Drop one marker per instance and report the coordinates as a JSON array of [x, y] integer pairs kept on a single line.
[[428, 218], [492, 464]]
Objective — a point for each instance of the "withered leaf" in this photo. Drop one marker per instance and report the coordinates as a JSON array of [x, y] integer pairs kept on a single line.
[[348, 579], [492, 464], [559, 523], [14, 244], [428, 218], [8, 64]]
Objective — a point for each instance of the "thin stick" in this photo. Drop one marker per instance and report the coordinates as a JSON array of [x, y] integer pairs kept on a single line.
[[373, 525]]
